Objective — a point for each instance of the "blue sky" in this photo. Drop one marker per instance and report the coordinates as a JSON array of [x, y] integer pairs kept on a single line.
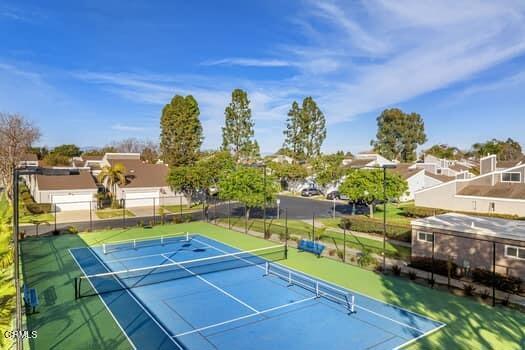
[[90, 72]]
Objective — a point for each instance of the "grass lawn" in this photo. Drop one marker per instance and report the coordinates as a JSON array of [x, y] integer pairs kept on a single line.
[[176, 209], [29, 219], [66, 323], [394, 213], [112, 213]]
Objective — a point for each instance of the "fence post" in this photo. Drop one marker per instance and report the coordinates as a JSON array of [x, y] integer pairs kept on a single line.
[[154, 211], [90, 217], [124, 212], [229, 215], [180, 206], [313, 226], [493, 273], [344, 243], [432, 268], [215, 211], [245, 219], [286, 233], [55, 212]]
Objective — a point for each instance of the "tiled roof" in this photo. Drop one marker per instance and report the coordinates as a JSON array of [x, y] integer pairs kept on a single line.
[[360, 163], [499, 190], [406, 170], [81, 181], [441, 178], [140, 174], [459, 167], [29, 157], [92, 157]]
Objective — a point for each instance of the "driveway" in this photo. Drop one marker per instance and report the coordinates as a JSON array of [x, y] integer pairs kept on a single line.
[[146, 211]]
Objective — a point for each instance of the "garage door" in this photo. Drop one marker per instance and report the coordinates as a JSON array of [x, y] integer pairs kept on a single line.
[[72, 202], [141, 199]]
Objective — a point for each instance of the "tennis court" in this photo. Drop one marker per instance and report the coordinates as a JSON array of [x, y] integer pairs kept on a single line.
[[188, 291]]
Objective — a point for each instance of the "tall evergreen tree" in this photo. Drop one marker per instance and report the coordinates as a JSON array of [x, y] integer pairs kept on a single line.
[[237, 133], [305, 130], [399, 134], [181, 131]]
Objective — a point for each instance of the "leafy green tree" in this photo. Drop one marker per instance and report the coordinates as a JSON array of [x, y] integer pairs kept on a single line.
[[399, 134], [54, 159], [445, 152], [328, 169], [238, 132], [504, 150], [100, 151], [305, 129], [187, 179], [213, 166], [287, 172], [112, 176], [40, 152], [367, 185], [181, 131], [246, 185], [68, 150]]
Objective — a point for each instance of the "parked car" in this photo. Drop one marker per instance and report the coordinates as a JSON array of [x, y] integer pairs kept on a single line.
[[336, 195], [309, 192]]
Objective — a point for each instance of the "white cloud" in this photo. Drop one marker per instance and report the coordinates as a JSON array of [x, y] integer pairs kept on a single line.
[[249, 62]]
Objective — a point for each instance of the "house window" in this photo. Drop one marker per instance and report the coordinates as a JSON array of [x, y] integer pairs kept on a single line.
[[438, 171], [511, 177], [515, 252], [425, 236]]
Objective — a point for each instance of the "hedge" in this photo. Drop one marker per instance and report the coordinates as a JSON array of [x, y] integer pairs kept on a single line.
[[440, 266], [367, 225], [38, 208], [505, 283], [423, 212]]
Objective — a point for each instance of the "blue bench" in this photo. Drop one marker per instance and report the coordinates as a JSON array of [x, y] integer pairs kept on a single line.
[[30, 298], [311, 247]]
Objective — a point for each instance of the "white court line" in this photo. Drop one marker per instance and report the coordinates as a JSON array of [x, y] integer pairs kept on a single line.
[[138, 302], [355, 305], [419, 337], [244, 317], [212, 285], [143, 256], [103, 302]]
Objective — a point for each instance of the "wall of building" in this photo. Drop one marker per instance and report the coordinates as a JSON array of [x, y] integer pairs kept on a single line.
[[467, 252], [45, 196]]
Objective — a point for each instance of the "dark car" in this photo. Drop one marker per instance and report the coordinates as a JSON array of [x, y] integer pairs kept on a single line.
[[336, 195], [309, 192]]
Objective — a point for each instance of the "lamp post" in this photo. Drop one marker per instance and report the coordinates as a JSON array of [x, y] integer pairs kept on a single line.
[[385, 166]]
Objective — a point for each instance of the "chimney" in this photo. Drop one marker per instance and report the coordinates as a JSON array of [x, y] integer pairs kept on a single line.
[[487, 164]]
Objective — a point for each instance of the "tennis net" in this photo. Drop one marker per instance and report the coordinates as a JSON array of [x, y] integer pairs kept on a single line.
[[145, 242], [320, 289], [126, 279]]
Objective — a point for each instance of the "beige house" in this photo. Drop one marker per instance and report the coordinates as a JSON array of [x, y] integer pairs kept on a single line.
[[446, 167], [468, 241], [495, 190]]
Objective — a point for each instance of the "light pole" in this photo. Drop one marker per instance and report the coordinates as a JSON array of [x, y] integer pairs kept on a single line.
[[278, 207], [385, 166]]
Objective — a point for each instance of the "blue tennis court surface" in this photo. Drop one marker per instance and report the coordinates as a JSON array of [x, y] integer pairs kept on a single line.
[[192, 292]]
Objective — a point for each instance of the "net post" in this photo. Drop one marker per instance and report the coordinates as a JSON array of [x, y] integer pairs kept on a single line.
[[161, 240], [317, 289], [289, 278], [134, 244], [266, 268], [104, 249], [187, 236], [76, 288]]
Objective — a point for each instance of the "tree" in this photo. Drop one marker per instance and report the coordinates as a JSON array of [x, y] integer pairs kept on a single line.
[[100, 152], [367, 185], [112, 176], [305, 130], [399, 134], [445, 152], [17, 135], [40, 152], [246, 185], [55, 159], [129, 145], [181, 131], [149, 155], [328, 169], [287, 172], [186, 179], [213, 166], [504, 150], [67, 150], [237, 133]]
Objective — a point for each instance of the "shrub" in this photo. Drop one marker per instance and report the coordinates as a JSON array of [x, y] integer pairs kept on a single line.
[[38, 208], [421, 212], [412, 275], [332, 251], [369, 225], [340, 254], [485, 294], [396, 270], [440, 266], [365, 258], [72, 229], [505, 283], [468, 289]]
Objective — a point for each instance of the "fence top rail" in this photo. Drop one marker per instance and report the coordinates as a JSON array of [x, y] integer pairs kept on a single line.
[[186, 262]]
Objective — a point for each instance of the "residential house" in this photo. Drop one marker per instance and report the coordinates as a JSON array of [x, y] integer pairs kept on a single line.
[[446, 167], [282, 159], [28, 160], [146, 184], [75, 191], [495, 190], [366, 160], [468, 241]]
